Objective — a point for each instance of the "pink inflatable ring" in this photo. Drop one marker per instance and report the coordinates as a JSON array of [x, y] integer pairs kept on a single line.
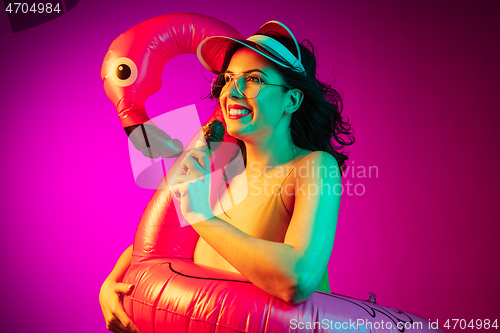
[[172, 293]]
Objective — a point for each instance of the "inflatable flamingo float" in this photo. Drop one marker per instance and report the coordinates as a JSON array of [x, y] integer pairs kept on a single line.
[[172, 293]]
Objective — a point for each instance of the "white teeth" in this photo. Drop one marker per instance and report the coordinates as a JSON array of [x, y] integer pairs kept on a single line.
[[234, 112]]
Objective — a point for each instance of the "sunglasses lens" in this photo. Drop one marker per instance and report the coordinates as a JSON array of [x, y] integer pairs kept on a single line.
[[246, 84]]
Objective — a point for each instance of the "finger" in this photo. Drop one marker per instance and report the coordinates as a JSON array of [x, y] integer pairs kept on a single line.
[[112, 323], [126, 324], [179, 180], [200, 156], [116, 327], [120, 320], [176, 184], [179, 190], [195, 167], [123, 288]]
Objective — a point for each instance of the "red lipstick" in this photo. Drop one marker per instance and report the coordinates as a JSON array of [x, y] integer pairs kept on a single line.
[[242, 111]]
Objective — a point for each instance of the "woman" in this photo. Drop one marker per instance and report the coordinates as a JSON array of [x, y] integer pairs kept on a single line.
[[289, 127]]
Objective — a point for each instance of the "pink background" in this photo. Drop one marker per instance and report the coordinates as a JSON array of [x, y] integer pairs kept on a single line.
[[420, 82]]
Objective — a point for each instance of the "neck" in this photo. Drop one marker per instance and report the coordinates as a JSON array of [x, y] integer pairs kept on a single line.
[[269, 151]]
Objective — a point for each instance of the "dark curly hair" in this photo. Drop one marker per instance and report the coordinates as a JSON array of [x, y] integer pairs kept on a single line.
[[317, 124]]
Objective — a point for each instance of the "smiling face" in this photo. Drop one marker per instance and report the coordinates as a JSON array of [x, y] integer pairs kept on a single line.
[[266, 110]]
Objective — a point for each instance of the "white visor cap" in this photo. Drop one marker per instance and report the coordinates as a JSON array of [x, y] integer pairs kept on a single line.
[[212, 50]]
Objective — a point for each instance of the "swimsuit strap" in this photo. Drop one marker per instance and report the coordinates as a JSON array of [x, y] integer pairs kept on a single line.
[[281, 186]]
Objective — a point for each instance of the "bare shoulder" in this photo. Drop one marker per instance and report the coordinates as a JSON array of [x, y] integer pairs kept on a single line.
[[317, 164]]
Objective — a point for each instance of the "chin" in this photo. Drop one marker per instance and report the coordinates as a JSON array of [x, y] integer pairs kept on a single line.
[[233, 129], [240, 131], [234, 133]]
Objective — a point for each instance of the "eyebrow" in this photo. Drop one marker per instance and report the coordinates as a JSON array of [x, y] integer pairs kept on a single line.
[[249, 71]]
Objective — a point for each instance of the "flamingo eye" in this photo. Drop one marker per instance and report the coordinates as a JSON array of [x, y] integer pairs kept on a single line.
[[123, 72]]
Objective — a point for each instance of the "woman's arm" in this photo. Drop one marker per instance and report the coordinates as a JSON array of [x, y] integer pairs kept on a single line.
[[312, 228], [122, 265], [291, 270], [111, 293]]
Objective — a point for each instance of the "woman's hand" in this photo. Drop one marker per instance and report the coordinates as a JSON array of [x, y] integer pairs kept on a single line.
[[110, 298], [192, 189]]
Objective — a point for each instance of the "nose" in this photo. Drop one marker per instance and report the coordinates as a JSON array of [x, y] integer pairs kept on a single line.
[[233, 91]]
